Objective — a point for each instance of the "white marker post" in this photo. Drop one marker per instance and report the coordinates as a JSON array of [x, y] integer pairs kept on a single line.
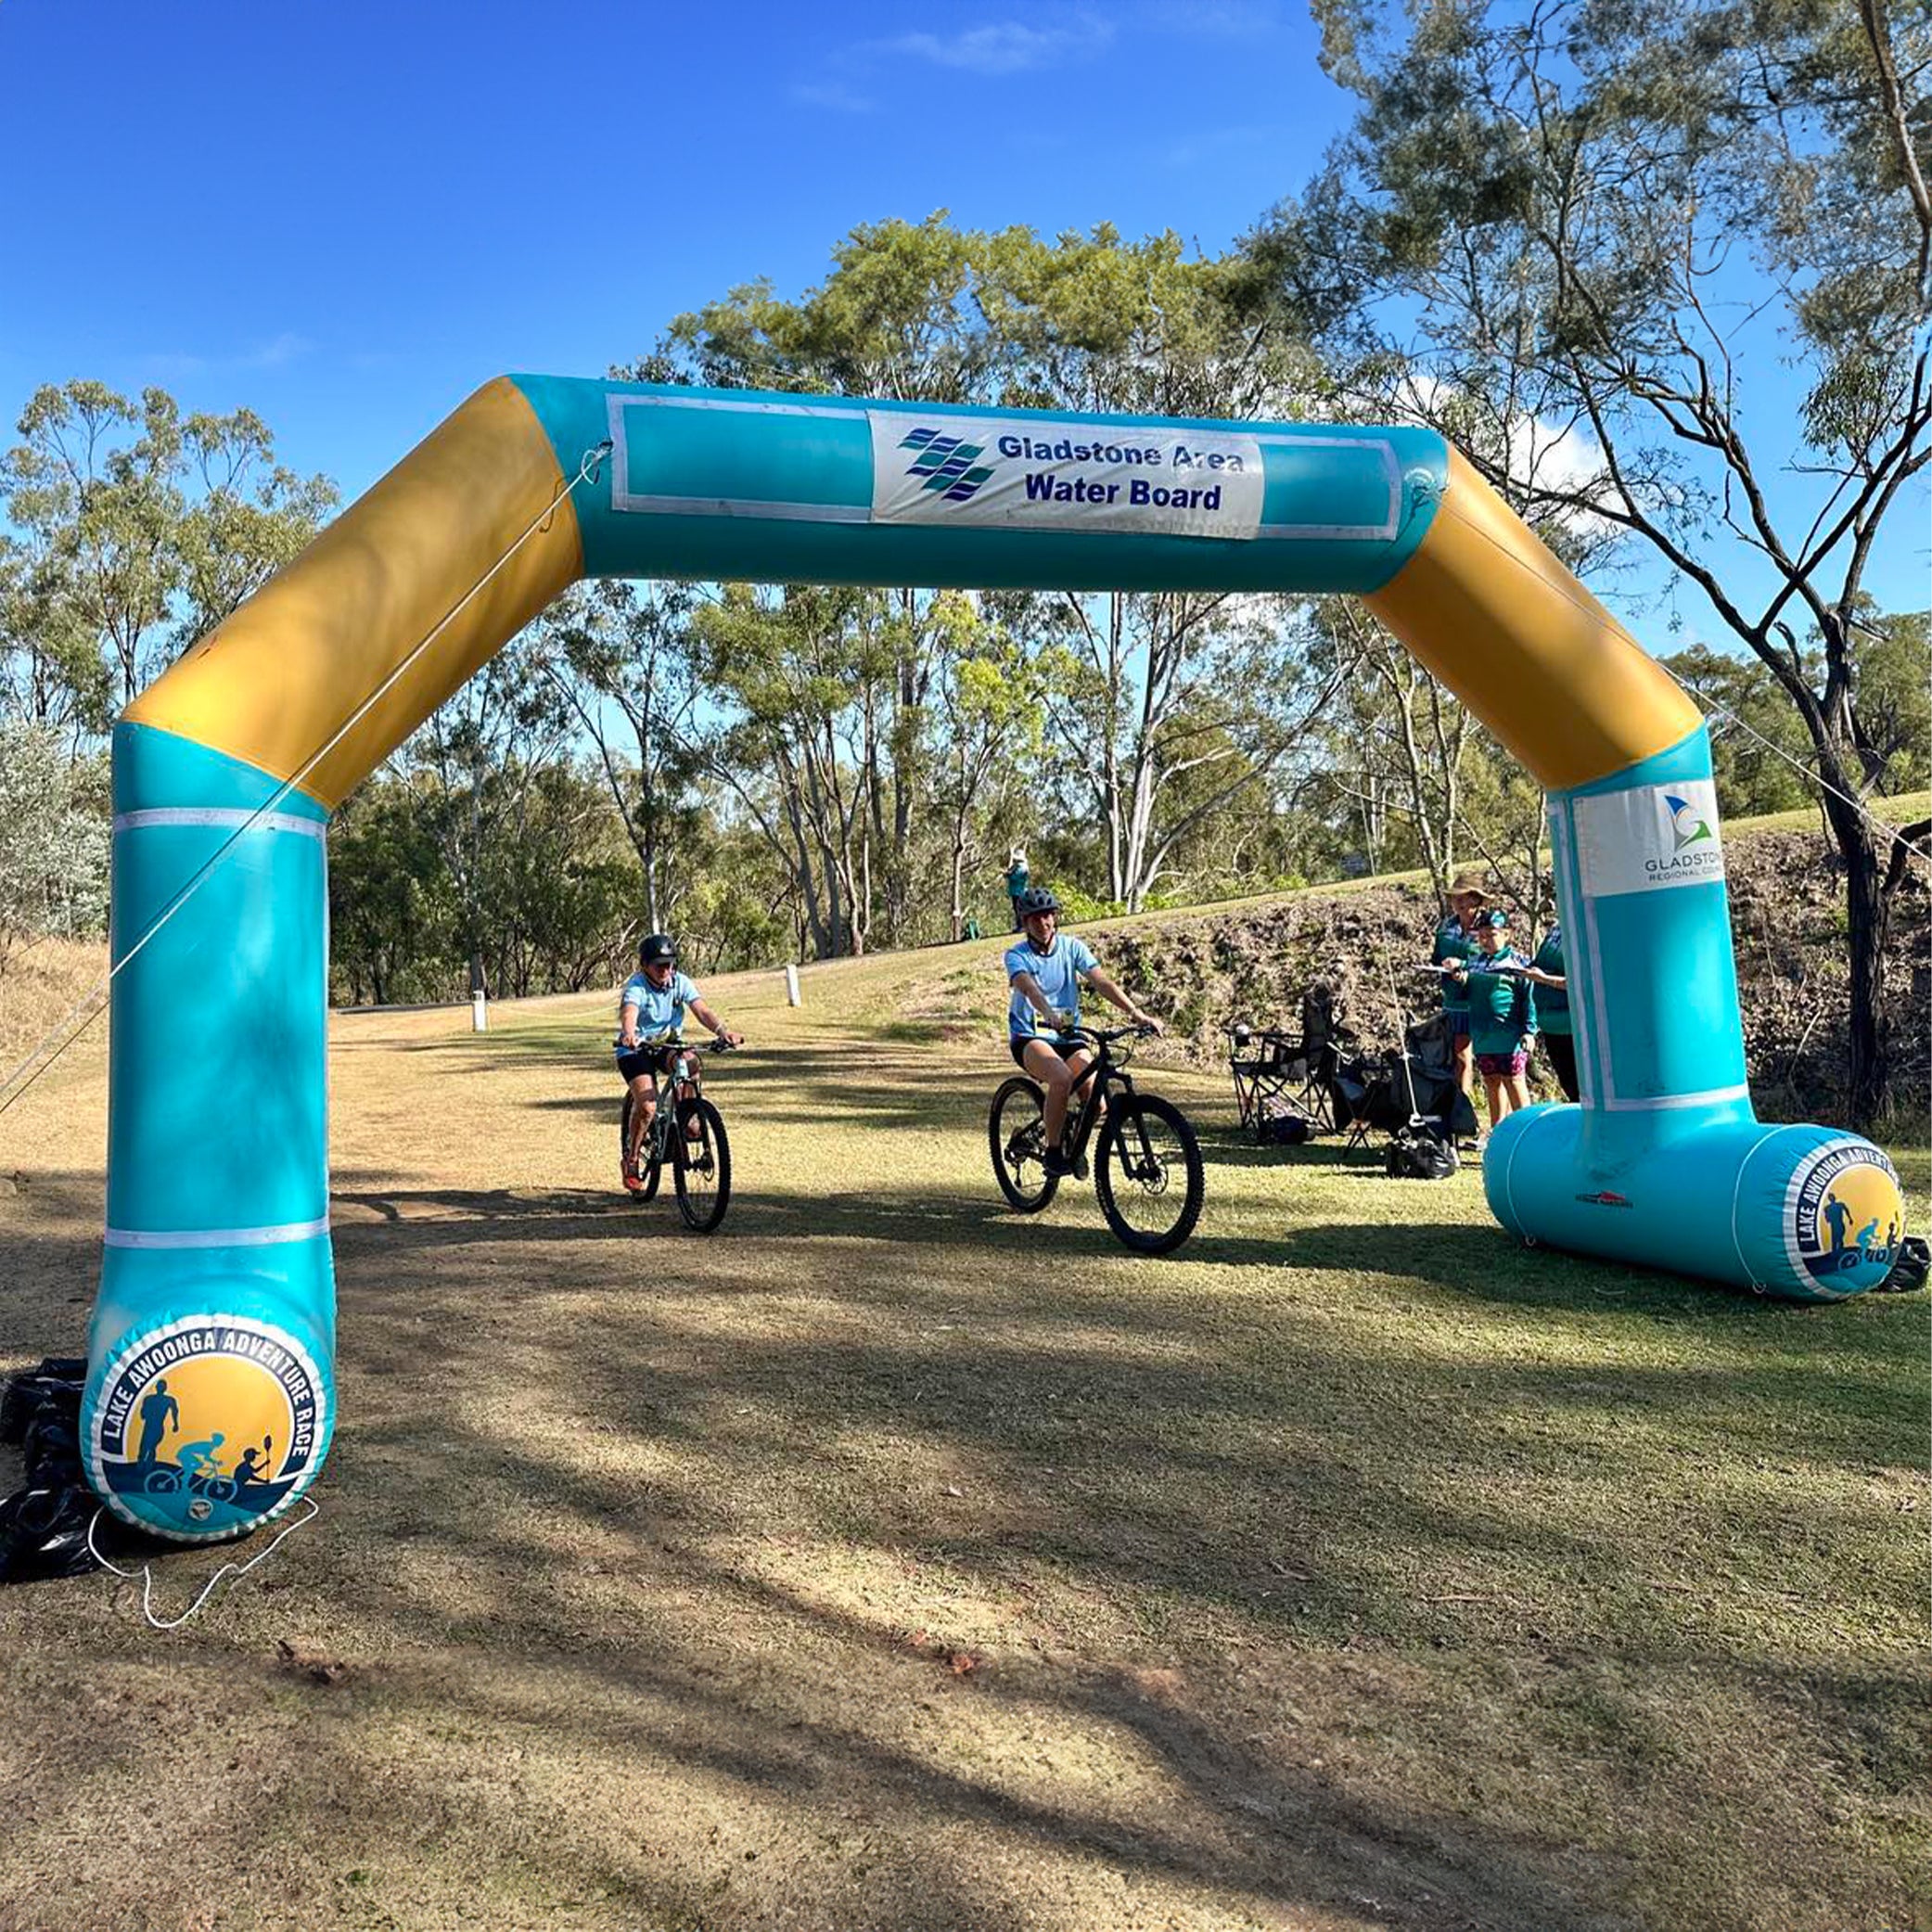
[[791, 987], [479, 1018]]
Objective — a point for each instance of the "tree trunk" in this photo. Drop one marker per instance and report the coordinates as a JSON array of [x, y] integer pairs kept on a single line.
[[1868, 917]]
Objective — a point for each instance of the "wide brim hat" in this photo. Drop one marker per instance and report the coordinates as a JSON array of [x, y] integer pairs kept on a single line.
[[1469, 883]]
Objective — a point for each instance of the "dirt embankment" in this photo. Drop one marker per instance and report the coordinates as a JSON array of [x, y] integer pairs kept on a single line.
[[1787, 905]]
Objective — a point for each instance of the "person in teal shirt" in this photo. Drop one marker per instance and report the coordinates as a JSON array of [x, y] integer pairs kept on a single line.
[[1456, 946], [1502, 1015], [650, 1018], [1552, 1024], [1017, 880]]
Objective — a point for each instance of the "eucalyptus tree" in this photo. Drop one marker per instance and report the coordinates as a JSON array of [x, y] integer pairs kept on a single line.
[[131, 532], [796, 673], [1693, 239], [898, 317], [473, 763], [987, 711], [621, 658], [246, 516], [1154, 690]]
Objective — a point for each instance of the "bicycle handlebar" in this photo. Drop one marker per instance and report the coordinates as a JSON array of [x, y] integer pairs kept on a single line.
[[1105, 1036]]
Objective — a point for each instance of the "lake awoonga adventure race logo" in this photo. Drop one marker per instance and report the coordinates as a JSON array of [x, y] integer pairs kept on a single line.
[[1844, 1216], [1065, 477], [211, 1422]]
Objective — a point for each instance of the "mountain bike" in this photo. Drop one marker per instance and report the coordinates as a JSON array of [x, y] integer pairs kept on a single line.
[[686, 1135], [1146, 1164]]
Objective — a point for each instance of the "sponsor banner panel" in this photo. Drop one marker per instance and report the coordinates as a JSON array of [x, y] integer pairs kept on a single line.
[[1650, 838], [1031, 473]]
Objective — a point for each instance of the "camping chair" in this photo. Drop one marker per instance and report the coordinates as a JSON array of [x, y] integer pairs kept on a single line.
[[1365, 1086], [1268, 1068], [1294, 1071]]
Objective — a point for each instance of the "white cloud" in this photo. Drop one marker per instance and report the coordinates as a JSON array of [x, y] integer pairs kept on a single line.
[[1007, 47], [1218, 144], [834, 95], [176, 366], [283, 349]]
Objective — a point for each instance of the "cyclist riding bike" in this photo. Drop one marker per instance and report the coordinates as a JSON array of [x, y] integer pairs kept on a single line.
[[650, 1017], [1044, 971]]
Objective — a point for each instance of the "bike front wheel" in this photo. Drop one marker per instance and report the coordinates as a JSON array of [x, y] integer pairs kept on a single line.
[[1016, 1136], [701, 1166], [1149, 1174]]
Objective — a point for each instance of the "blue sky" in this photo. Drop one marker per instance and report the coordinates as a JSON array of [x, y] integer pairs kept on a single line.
[[346, 216]]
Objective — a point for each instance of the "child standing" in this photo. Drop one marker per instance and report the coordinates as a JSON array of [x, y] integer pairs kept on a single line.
[[1502, 1015]]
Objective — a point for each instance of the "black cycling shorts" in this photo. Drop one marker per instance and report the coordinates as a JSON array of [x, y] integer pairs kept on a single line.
[[1065, 1049], [645, 1059]]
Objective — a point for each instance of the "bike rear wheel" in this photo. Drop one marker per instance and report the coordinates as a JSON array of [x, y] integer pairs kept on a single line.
[[1016, 1136], [649, 1170], [1149, 1174], [701, 1166]]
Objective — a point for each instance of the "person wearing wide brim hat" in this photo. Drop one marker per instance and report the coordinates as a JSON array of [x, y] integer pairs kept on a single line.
[[1456, 946]]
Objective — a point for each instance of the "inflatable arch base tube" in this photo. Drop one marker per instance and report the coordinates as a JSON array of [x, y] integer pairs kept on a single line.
[[1664, 1162], [1803, 1214], [210, 1397]]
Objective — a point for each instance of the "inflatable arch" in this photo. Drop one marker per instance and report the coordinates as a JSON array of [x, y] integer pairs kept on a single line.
[[210, 1398]]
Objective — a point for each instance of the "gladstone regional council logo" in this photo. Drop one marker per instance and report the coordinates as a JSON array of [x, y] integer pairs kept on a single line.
[[1686, 827], [1844, 1216], [1681, 841], [206, 1425]]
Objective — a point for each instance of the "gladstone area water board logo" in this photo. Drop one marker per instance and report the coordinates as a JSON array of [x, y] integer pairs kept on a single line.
[[207, 1424], [949, 466], [1845, 1216]]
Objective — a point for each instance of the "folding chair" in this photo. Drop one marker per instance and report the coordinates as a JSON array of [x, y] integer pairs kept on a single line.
[[1267, 1065], [1355, 1084]]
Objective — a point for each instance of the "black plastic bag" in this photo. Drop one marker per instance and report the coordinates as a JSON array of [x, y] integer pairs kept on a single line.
[[1418, 1152], [1909, 1270]]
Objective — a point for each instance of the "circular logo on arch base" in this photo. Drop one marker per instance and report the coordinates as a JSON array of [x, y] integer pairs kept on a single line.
[[1844, 1217], [206, 1425]]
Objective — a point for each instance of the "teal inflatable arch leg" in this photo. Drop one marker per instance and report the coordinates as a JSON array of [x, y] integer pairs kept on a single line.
[[1664, 1162], [217, 1290]]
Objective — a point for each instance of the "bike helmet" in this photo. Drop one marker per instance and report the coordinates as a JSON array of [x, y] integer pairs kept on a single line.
[[1037, 898], [660, 949]]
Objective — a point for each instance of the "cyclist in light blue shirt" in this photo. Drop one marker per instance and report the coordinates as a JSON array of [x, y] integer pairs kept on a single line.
[[650, 1018], [1044, 971]]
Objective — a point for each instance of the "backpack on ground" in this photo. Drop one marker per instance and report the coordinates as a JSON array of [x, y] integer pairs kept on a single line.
[[1419, 1152], [1279, 1125]]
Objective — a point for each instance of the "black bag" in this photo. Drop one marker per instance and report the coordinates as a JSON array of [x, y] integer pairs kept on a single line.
[[1908, 1272], [44, 1529], [1278, 1125], [1418, 1152]]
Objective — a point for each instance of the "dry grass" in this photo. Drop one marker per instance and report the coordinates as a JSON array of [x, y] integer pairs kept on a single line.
[[886, 1561]]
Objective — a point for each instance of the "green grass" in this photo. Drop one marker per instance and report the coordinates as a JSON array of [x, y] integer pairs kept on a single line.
[[892, 1560]]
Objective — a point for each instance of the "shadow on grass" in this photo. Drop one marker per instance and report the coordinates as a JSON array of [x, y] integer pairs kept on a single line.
[[666, 1531]]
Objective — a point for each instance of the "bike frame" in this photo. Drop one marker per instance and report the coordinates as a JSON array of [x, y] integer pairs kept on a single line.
[[686, 1083], [1106, 1071]]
